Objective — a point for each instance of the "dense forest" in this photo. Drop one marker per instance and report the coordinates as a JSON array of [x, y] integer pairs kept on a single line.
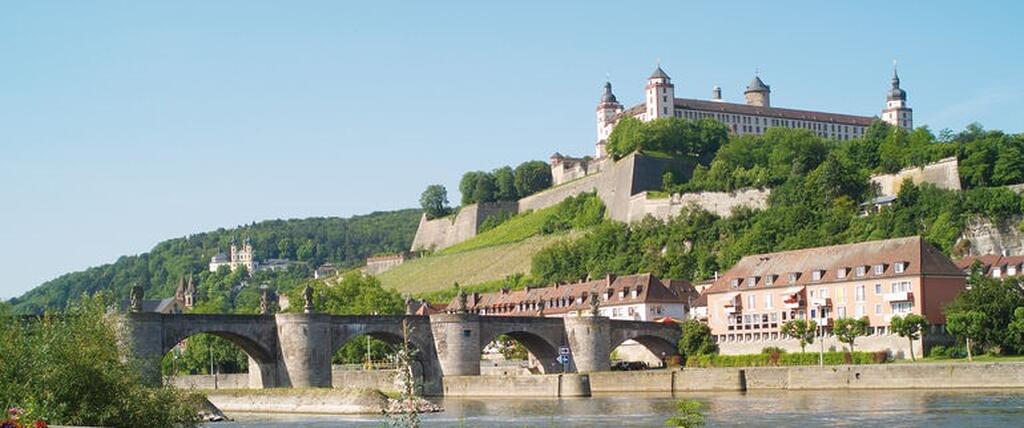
[[818, 188], [345, 242]]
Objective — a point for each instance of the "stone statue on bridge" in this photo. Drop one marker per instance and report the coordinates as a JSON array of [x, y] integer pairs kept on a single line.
[[137, 295], [307, 294], [268, 301], [462, 308], [595, 305], [540, 308]]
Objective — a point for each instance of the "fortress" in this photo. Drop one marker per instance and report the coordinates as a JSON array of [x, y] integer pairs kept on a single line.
[[623, 184]]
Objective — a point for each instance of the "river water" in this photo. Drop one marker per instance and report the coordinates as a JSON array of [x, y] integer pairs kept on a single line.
[[903, 408]]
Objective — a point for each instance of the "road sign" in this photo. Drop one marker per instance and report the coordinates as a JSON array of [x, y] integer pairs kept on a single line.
[[562, 359], [564, 350]]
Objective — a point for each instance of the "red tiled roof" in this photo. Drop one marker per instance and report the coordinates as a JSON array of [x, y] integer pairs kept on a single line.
[[576, 296], [988, 261], [920, 257]]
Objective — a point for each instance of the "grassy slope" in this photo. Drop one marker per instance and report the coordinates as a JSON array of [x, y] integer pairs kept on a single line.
[[489, 256], [473, 266]]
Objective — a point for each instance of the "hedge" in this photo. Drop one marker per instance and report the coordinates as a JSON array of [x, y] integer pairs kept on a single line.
[[785, 359]]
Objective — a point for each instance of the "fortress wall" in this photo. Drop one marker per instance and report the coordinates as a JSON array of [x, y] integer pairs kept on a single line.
[[554, 195], [944, 174], [719, 203], [444, 232]]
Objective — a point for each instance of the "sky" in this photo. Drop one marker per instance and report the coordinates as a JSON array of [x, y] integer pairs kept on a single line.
[[123, 124]]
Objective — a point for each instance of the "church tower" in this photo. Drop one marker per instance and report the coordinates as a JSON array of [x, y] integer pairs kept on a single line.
[[757, 93], [661, 96], [896, 112], [607, 109]]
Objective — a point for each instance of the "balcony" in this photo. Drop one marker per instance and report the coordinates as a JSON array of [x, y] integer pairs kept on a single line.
[[792, 303], [898, 297], [821, 302], [731, 309]]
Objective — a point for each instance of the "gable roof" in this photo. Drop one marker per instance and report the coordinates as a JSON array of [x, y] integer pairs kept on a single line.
[[649, 288], [920, 257]]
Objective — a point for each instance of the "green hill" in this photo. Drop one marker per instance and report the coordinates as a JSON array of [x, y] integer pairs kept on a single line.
[[346, 242]]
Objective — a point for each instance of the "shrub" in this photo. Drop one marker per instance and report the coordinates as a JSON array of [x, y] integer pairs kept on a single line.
[[71, 369], [772, 350], [786, 359]]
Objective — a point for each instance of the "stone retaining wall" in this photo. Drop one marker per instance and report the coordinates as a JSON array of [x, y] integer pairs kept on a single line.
[[555, 385], [222, 381]]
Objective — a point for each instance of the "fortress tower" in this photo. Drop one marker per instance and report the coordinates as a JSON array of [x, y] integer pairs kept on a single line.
[[661, 96], [757, 93], [896, 112], [607, 109]]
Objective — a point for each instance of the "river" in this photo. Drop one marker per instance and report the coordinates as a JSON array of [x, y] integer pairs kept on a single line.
[[892, 408]]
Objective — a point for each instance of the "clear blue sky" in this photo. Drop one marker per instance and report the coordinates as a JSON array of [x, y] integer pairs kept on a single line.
[[126, 123]]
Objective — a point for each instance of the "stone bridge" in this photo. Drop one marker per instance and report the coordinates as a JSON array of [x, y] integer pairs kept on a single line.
[[295, 350]]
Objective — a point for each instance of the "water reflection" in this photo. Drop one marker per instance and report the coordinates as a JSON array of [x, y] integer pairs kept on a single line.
[[956, 408]]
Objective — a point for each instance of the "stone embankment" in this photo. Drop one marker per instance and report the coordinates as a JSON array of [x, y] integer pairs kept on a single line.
[[313, 401]]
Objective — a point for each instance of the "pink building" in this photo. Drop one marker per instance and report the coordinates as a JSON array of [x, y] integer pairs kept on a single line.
[[879, 279]]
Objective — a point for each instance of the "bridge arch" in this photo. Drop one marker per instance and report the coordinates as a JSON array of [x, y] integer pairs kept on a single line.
[[388, 329], [661, 340], [254, 335], [540, 336]]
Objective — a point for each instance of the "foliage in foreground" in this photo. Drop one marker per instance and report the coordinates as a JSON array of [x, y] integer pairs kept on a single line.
[[696, 340], [688, 415], [70, 369]]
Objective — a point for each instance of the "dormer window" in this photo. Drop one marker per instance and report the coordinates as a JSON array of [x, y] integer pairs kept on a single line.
[[862, 270], [900, 267], [817, 274], [841, 273], [997, 272], [793, 277], [1011, 270], [751, 281], [770, 280], [879, 268], [735, 282]]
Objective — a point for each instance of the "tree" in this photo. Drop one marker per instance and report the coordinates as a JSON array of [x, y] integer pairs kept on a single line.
[[486, 190], [696, 340], [847, 330], [1015, 331], [532, 177], [910, 327], [505, 181], [467, 186], [803, 331], [966, 325], [625, 137], [434, 201]]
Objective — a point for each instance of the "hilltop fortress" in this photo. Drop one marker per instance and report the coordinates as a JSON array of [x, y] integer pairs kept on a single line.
[[623, 184]]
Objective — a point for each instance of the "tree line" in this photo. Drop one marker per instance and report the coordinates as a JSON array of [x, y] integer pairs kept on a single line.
[[501, 184]]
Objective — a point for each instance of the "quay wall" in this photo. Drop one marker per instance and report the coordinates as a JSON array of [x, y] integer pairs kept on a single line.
[[553, 385], [222, 381]]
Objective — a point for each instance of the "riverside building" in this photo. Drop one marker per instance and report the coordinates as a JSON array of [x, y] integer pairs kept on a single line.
[[748, 305]]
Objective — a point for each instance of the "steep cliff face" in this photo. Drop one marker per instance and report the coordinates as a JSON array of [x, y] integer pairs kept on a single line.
[[982, 236]]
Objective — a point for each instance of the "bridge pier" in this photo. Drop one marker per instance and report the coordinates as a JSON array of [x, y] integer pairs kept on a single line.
[[457, 342], [304, 358], [590, 341], [145, 340]]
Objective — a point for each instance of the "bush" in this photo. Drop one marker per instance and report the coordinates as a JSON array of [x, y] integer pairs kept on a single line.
[[495, 221], [944, 352], [786, 359], [69, 369]]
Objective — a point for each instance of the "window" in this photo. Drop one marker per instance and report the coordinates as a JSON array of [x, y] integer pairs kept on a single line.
[[841, 295], [859, 312], [861, 270], [841, 273], [901, 287], [878, 309], [734, 283], [816, 275], [751, 281], [900, 267], [879, 269], [823, 293], [751, 301], [859, 293], [769, 280], [811, 294], [793, 276], [902, 307], [768, 301], [878, 288]]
